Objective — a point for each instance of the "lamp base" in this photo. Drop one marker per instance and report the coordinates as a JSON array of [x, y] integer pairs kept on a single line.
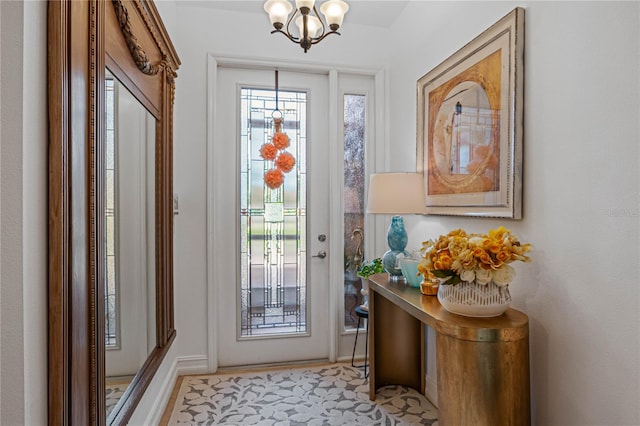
[[397, 240], [390, 262]]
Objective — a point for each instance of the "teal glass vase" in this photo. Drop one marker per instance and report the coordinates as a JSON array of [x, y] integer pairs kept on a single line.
[[397, 240]]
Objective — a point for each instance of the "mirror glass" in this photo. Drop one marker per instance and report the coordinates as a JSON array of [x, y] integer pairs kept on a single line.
[[129, 200]]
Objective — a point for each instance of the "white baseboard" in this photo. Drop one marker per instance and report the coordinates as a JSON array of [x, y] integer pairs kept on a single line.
[[197, 364], [156, 410], [347, 358], [180, 366]]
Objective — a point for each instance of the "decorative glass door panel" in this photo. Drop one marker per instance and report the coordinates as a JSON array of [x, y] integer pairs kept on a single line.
[[272, 221], [272, 294], [354, 108], [111, 337]]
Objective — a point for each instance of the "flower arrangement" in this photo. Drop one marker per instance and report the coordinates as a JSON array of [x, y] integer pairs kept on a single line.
[[479, 258], [275, 151]]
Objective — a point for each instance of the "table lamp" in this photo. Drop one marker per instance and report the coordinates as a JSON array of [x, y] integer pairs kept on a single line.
[[396, 193]]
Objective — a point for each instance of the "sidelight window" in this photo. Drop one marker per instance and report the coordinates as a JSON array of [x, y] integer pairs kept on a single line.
[[354, 107]]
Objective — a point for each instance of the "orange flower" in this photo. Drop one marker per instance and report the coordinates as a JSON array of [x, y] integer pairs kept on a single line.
[[495, 247], [446, 261], [458, 233], [484, 258], [503, 256], [285, 162], [268, 151], [477, 252], [273, 178], [280, 140]]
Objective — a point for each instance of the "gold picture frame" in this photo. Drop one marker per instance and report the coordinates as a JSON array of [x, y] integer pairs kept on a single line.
[[470, 125]]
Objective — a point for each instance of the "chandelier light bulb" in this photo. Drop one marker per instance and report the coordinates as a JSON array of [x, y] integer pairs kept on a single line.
[[334, 11], [278, 11], [313, 26], [305, 4]]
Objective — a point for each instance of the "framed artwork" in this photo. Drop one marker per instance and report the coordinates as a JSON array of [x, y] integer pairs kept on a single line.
[[470, 125]]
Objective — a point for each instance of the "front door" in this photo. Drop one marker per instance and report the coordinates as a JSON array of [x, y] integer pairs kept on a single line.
[[273, 298]]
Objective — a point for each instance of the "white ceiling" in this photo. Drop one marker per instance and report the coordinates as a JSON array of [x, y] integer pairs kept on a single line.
[[378, 13]]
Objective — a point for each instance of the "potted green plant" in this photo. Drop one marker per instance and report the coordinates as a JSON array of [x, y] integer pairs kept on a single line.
[[373, 267], [366, 269]]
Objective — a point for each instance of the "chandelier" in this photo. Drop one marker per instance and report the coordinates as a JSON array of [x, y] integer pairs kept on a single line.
[[311, 29]]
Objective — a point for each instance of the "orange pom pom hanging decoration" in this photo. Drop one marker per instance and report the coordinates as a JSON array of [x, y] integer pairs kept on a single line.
[[280, 140], [273, 178], [285, 162], [274, 151], [268, 151]]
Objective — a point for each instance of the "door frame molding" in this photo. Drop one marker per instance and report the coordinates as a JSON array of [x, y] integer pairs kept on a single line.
[[377, 159]]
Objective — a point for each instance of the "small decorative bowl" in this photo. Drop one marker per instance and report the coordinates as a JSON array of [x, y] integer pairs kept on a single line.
[[428, 288], [409, 268]]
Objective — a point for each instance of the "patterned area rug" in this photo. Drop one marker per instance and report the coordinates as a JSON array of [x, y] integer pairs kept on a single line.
[[114, 391], [335, 394]]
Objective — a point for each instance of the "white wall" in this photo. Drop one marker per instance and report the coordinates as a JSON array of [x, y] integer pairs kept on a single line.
[[580, 176], [581, 190], [11, 292], [201, 31], [581, 186], [23, 214], [35, 213]]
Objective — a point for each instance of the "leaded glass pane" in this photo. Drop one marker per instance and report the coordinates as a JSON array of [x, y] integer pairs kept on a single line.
[[111, 285], [273, 226], [354, 173]]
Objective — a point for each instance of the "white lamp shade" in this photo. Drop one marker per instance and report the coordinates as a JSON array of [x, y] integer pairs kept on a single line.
[[334, 11], [313, 25], [396, 193], [278, 10], [305, 3]]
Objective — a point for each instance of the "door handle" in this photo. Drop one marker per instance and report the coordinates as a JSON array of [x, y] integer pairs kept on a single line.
[[321, 254]]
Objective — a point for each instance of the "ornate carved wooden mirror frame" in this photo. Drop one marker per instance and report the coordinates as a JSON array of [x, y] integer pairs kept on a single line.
[[128, 37]]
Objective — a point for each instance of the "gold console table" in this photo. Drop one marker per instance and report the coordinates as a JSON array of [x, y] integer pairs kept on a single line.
[[482, 363]]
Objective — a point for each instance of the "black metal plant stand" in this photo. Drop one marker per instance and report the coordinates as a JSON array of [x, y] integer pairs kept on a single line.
[[362, 314]]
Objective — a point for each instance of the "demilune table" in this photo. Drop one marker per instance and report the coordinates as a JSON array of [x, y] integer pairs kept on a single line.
[[482, 363]]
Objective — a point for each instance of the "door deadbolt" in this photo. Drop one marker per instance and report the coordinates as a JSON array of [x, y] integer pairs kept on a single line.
[[322, 238]]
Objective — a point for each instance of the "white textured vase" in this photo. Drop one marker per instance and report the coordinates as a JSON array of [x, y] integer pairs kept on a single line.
[[475, 300], [365, 294]]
